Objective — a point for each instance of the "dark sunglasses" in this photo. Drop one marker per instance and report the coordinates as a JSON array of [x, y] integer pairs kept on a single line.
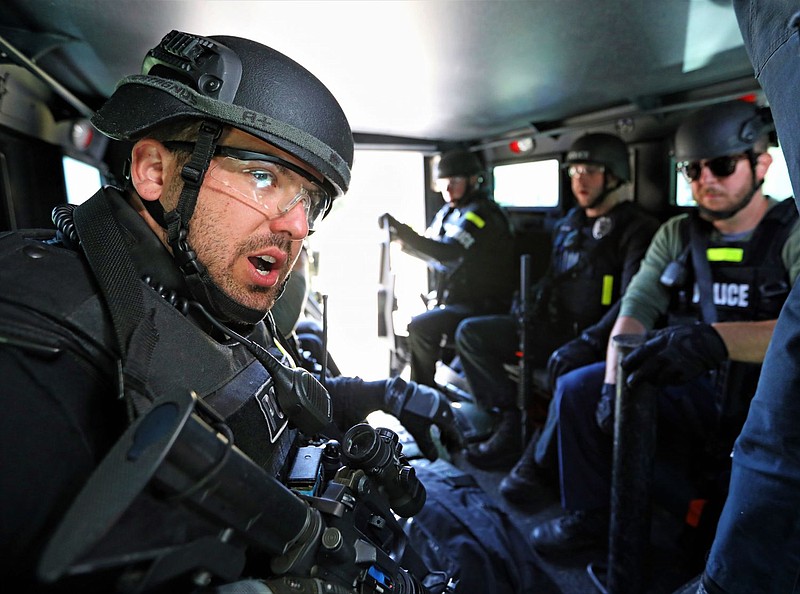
[[720, 167]]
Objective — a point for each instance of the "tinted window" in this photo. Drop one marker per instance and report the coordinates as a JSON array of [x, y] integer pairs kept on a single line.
[[532, 184]]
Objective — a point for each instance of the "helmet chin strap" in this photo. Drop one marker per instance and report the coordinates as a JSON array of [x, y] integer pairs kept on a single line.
[[602, 195], [721, 215]]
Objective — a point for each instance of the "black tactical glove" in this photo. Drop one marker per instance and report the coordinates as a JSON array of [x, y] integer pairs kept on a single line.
[[418, 407], [589, 347], [604, 413], [572, 355], [675, 355], [396, 228]]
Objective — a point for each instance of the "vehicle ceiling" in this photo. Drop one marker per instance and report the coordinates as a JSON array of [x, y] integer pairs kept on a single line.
[[455, 70]]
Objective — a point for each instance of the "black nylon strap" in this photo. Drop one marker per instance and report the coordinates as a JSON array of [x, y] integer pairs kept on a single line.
[[134, 328], [698, 239], [192, 174]]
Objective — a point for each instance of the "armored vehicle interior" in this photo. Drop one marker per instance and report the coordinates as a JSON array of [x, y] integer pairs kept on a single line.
[[516, 82]]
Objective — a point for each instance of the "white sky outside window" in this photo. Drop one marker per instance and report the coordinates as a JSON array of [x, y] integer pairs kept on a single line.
[[348, 242], [82, 180], [533, 184]]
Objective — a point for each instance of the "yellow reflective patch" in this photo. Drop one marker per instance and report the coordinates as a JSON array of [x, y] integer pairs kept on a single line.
[[475, 220], [608, 289], [291, 361], [725, 254]]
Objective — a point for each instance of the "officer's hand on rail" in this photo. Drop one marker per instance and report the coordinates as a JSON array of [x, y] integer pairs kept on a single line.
[[386, 219], [418, 408], [397, 229], [675, 355]]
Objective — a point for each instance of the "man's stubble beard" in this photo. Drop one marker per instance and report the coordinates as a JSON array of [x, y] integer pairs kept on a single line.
[[215, 257]]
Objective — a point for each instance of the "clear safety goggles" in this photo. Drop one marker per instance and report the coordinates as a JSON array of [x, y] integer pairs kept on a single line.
[[720, 167], [578, 170], [266, 182], [442, 183]]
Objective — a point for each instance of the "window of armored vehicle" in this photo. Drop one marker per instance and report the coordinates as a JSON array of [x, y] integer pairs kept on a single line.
[[81, 180], [527, 185], [348, 247]]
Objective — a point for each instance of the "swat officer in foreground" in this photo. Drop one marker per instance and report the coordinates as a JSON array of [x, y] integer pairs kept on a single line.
[[165, 286], [720, 277]]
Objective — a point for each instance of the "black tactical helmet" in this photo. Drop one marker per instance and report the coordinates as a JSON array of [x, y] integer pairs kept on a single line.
[[719, 130], [238, 82], [601, 149], [459, 162]]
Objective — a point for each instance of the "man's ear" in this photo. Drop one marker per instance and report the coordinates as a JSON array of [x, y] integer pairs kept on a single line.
[[612, 181], [147, 168], [763, 161]]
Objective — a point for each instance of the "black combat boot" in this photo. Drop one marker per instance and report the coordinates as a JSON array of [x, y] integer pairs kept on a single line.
[[526, 476], [503, 448], [573, 531]]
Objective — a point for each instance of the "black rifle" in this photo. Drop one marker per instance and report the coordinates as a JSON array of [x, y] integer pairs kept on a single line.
[[526, 312], [175, 506]]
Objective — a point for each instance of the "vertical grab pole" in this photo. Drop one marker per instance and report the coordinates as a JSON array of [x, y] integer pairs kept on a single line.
[[324, 362], [632, 477], [525, 380]]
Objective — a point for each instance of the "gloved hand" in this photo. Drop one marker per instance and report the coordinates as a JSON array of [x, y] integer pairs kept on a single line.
[[418, 407], [675, 355], [386, 219], [396, 228], [572, 355], [604, 413]]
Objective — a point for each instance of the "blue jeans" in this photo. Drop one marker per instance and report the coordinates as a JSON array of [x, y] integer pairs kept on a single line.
[[757, 546], [686, 416]]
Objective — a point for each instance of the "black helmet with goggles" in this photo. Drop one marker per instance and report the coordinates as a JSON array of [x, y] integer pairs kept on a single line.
[[730, 128], [240, 83], [718, 137], [602, 149]]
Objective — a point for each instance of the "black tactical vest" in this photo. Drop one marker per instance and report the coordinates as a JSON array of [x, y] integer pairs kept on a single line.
[[586, 266], [50, 298], [750, 280], [750, 283]]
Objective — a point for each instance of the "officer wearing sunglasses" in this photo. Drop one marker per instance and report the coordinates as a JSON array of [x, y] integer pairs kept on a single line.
[[713, 161], [719, 276]]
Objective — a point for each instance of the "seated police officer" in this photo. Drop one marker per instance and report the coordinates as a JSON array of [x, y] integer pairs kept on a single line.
[[469, 248], [165, 287], [719, 277], [596, 251]]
